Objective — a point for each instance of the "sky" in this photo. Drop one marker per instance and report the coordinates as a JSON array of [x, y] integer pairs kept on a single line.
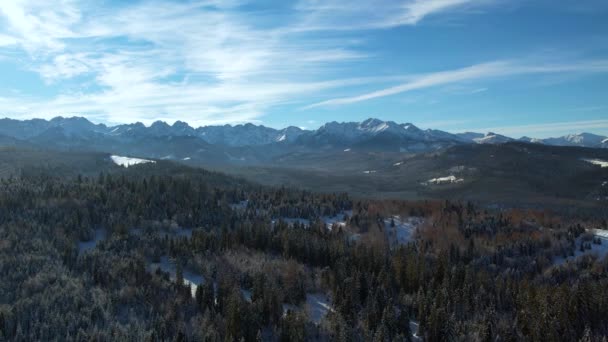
[[517, 67]]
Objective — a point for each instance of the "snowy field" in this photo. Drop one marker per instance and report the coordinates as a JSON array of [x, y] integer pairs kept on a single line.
[[127, 161], [163, 232], [329, 221], [414, 331], [600, 250], [292, 221], [444, 180], [338, 220], [190, 278], [240, 206], [404, 230], [317, 306], [84, 246], [599, 162]]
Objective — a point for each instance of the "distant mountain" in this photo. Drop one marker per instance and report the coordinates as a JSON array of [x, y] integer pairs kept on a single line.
[[374, 134], [492, 138], [582, 139], [31, 128], [249, 143], [247, 135]]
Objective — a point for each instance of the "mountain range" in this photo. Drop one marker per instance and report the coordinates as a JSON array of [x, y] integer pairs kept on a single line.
[[372, 158], [371, 134]]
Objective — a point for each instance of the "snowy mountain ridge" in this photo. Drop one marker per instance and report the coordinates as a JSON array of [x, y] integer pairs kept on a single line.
[[375, 131]]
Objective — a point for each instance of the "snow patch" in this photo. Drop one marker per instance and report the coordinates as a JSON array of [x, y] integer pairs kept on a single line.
[[339, 220], [397, 164], [601, 163], [414, 331], [127, 161], [84, 246], [369, 171], [240, 206], [282, 138], [404, 230], [317, 306], [190, 278], [600, 250], [444, 180], [187, 158], [347, 150]]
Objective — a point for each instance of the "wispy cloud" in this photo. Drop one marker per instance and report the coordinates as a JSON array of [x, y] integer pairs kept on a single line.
[[476, 72], [205, 61], [212, 61], [380, 14]]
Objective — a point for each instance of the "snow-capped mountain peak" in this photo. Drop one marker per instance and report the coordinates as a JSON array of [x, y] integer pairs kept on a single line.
[[492, 138]]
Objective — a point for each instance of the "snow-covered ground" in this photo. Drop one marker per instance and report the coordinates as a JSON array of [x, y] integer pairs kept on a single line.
[[83, 246], [444, 180], [190, 278], [127, 161], [414, 331], [328, 220], [338, 219], [164, 232], [397, 164], [291, 221], [601, 163], [240, 206], [369, 171], [246, 295], [600, 250], [317, 306], [404, 230]]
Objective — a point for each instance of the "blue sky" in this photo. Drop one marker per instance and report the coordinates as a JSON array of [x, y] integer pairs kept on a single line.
[[517, 67]]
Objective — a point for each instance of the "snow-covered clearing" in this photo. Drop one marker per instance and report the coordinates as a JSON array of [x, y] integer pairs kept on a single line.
[[127, 161], [163, 232], [600, 250], [240, 206], [338, 220], [190, 278], [291, 221], [317, 306], [601, 163], [83, 246], [414, 331], [246, 295], [404, 230], [329, 221], [444, 180]]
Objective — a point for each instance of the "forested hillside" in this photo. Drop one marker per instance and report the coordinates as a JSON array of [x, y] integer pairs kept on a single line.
[[159, 252]]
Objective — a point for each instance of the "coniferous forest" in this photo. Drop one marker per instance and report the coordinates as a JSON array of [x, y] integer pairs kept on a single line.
[[153, 253]]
